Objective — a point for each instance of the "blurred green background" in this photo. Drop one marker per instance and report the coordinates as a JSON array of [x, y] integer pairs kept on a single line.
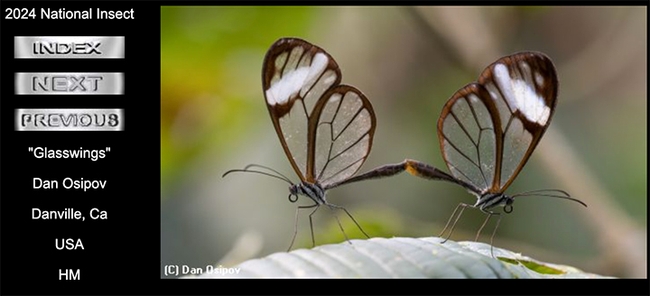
[[408, 61]]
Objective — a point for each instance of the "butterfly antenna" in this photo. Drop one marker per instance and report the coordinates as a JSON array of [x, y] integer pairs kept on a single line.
[[550, 193], [268, 168], [248, 170]]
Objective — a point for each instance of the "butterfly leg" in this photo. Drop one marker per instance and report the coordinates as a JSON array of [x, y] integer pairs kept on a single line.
[[332, 207], [295, 225], [490, 214], [493, 233], [462, 207], [352, 218]]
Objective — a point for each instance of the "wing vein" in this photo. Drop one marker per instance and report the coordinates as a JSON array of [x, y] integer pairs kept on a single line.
[[463, 127], [461, 172], [349, 123], [349, 147], [329, 152], [478, 143], [316, 82], [459, 151], [345, 168]]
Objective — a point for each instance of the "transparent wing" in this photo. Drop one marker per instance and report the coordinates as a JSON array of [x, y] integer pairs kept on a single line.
[[523, 87], [344, 132], [468, 138], [295, 76]]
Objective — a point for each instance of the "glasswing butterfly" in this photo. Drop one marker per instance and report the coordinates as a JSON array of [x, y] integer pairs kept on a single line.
[[325, 127], [487, 132]]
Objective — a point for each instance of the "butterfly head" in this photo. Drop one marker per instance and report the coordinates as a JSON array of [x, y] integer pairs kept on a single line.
[[294, 190], [508, 201]]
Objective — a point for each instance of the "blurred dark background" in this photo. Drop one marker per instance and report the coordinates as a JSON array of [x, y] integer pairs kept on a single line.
[[408, 61]]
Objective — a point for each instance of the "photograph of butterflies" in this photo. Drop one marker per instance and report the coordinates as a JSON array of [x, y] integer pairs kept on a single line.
[[285, 128]]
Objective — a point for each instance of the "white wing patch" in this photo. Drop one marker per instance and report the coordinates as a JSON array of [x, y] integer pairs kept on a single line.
[[521, 94], [298, 76]]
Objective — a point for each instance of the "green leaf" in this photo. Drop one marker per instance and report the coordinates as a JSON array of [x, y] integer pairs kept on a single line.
[[399, 257]]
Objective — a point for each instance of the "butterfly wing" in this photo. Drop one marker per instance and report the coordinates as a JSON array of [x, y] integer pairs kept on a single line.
[[489, 129], [343, 134], [325, 128], [468, 138], [524, 88]]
